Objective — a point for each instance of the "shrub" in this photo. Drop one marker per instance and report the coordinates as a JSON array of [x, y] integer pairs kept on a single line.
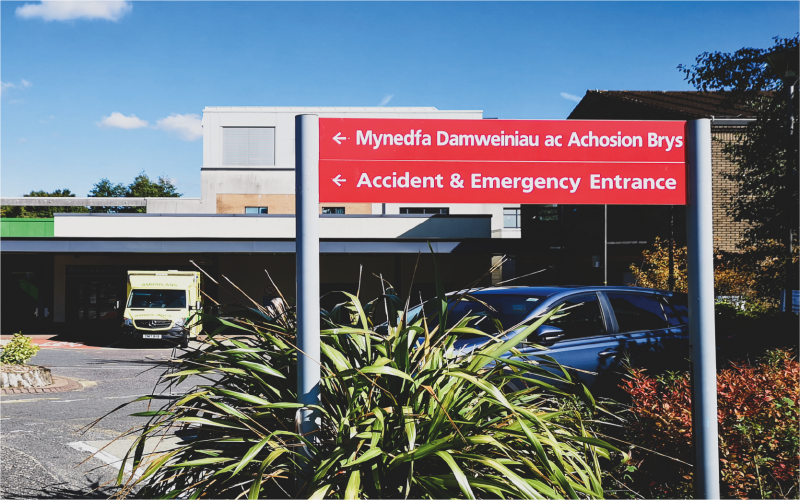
[[400, 416], [758, 426], [754, 274], [654, 271], [19, 350]]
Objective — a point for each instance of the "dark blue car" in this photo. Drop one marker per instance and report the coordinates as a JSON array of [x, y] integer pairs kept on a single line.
[[594, 332]]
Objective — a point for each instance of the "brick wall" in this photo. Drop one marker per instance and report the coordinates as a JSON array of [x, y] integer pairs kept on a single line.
[[727, 233], [277, 204]]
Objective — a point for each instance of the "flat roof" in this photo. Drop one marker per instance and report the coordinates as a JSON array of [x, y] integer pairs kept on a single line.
[[196, 246], [332, 109]]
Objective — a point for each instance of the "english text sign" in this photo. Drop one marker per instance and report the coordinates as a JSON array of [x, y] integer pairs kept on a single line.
[[502, 161]]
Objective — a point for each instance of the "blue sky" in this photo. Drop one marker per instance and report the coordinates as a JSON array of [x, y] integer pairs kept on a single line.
[[93, 90]]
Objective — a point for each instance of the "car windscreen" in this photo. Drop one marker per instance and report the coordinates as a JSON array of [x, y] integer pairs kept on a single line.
[[172, 299], [509, 309]]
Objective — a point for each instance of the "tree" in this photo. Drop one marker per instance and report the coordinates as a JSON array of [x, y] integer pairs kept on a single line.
[[44, 211], [765, 153], [141, 187]]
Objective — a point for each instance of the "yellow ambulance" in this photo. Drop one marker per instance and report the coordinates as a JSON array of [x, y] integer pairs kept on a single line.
[[160, 305]]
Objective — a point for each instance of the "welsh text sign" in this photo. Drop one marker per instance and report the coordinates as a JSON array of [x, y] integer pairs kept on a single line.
[[502, 161]]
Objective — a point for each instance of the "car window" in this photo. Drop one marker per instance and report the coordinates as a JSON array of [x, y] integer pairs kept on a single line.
[[677, 310], [510, 309], [579, 316], [637, 312]]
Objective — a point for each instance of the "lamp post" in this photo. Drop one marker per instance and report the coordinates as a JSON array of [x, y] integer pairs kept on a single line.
[[784, 63]]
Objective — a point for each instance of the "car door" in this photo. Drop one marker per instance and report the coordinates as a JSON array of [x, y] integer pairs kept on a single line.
[[648, 337], [585, 344]]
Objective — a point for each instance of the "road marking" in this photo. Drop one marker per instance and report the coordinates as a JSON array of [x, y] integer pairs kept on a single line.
[[103, 456], [11, 432], [123, 397], [106, 367], [69, 401], [25, 400], [55, 344]]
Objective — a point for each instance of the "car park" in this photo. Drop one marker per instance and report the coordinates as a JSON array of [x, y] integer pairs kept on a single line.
[[594, 333]]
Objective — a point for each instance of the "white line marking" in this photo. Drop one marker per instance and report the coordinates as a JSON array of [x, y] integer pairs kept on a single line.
[[69, 401], [10, 432], [133, 396], [103, 456], [25, 400]]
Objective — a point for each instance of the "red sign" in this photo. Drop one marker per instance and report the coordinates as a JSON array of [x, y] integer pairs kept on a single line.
[[502, 161]]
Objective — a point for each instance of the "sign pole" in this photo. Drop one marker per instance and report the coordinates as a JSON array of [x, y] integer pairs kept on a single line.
[[307, 261], [701, 309]]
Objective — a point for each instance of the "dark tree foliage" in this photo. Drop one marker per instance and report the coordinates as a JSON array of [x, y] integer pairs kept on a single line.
[[766, 149], [141, 187], [41, 212]]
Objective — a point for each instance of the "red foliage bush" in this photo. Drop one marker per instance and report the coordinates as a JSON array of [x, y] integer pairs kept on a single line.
[[758, 426]]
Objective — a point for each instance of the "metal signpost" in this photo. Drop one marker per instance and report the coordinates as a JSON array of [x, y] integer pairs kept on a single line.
[[307, 262], [513, 161], [700, 267]]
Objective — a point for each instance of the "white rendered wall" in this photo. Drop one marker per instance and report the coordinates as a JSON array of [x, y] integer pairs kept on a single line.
[[273, 227], [278, 179]]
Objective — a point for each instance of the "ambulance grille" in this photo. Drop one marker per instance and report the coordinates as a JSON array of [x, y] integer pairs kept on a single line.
[[152, 323]]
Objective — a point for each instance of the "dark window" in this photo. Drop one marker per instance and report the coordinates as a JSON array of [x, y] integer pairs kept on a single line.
[[333, 210], [175, 299], [424, 210], [637, 312], [511, 218], [256, 210], [677, 310], [579, 316]]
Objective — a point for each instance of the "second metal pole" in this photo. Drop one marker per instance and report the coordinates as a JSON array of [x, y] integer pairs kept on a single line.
[[700, 249], [307, 258]]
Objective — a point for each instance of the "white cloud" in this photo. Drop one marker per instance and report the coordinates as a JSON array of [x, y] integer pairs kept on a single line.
[[570, 97], [118, 120], [187, 127], [17, 101], [63, 10], [5, 86], [21, 140], [386, 99]]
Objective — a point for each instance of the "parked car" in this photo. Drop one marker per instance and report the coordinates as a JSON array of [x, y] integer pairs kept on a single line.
[[594, 332]]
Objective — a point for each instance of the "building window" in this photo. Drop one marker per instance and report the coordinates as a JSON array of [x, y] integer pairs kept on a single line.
[[424, 210], [256, 210], [511, 218], [248, 146], [332, 210]]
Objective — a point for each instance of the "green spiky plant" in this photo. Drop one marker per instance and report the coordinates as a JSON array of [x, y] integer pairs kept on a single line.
[[400, 415]]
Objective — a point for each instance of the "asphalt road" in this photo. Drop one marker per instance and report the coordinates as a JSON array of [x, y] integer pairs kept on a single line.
[[44, 445]]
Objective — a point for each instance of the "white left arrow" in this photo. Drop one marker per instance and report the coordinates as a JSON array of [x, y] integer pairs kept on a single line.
[[338, 180], [338, 138]]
